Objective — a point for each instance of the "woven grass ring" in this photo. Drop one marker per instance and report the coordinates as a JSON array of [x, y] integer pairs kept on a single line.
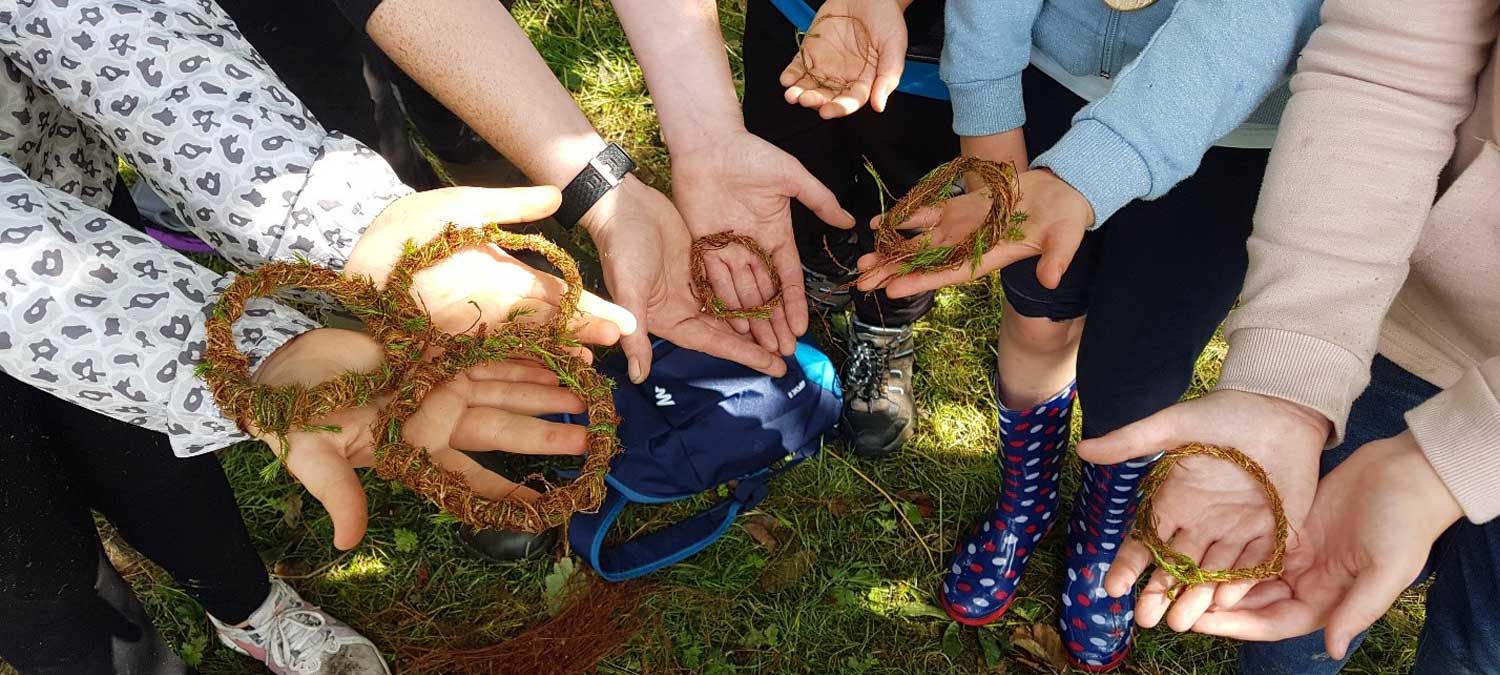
[[549, 344], [709, 302], [918, 254], [1182, 567]]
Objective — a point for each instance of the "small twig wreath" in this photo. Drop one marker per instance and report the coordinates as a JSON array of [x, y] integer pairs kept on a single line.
[[918, 254], [1182, 567], [863, 45], [710, 303], [395, 319]]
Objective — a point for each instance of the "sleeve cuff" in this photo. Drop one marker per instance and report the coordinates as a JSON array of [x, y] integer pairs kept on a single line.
[[1101, 164], [1459, 431], [987, 107], [1298, 368]]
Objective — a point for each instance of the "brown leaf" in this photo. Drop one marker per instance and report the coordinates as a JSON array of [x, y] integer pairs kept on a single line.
[[838, 507], [424, 574], [1043, 643], [289, 567], [785, 571], [765, 530], [921, 500], [291, 510]]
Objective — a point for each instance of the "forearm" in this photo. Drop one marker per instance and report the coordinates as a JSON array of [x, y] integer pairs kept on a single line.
[[1007, 146], [681, 51], [473, 57]]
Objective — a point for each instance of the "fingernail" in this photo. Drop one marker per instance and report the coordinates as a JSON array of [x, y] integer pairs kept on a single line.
[[635, 371], [848, 217]]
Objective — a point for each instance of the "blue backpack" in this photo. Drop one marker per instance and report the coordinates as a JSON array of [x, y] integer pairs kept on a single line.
[[696, 423]]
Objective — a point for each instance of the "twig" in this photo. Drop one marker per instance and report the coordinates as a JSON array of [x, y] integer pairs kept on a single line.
[[899, 511]]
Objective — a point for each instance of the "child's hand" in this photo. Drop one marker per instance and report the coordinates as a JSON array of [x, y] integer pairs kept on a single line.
[[1370, 531], [486, 408], [1056, 218], [853, 52]]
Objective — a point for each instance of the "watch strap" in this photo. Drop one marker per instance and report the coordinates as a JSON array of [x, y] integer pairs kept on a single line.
[[604, 171]]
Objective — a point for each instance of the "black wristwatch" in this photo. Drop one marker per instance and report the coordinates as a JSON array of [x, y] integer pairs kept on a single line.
[[602, 174]]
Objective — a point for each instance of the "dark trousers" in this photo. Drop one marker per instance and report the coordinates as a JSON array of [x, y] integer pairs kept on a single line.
[[1155, 282], [913, 136], [1462, 632], [64, 610]]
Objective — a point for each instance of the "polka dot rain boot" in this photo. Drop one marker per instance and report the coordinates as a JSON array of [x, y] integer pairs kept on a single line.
[[981, 581], [1096, 627]]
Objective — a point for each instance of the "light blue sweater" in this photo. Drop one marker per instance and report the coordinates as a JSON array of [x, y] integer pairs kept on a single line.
[[1185, 74]]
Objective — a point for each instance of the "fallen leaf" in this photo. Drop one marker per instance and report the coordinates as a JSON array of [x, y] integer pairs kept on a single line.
[[1043, 643], [423, 576], [921, 500], [989, 648], [289, 567], [786, 570], [291, 510], [554, 583], [953, 646], [763, 529], [838, 507]]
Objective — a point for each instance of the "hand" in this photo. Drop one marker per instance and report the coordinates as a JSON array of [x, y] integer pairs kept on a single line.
[[1209, 509], [856, 50], [746, 184], [485, 278], [1371, 529], [489, 407], [1057, 217], [644, 247]]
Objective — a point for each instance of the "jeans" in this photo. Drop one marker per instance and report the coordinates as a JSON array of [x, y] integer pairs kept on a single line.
[[1462, 633]]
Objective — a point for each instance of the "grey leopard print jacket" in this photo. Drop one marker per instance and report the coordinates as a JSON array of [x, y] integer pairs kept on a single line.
[[91, 310]]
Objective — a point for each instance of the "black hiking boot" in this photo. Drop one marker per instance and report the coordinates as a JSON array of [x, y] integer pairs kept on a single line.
[[826, 295], [879, 411]]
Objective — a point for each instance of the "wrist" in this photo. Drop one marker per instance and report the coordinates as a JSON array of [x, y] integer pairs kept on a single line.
[[599, 216], [571, 156], [710, 127], [1407, 464]]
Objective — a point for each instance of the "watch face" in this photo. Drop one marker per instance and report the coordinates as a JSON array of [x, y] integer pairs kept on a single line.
[[1129, 5]]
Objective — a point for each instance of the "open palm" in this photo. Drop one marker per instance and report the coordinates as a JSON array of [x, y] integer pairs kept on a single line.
[[853, 53]]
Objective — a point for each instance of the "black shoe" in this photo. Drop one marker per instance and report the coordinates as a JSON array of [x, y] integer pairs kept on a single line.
[[879, 411], [507, 545], [825, 294]]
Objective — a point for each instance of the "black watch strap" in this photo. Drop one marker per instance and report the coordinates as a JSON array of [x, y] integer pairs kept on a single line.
[[602, 174]]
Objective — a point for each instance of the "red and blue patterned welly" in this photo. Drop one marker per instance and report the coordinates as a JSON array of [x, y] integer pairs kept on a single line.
[[987, 565], [1096, 627]]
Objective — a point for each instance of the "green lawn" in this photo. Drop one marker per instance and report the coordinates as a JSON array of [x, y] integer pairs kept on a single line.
[[848, 588]]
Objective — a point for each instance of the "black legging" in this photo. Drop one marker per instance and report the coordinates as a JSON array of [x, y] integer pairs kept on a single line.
[[63, 608]]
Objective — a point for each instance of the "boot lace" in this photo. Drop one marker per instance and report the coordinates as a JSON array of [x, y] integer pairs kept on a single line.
[[298, 638], [869, 365]]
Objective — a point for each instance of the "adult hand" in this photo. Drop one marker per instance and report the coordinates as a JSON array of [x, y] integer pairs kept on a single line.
[[854, 52], [489, 407], [482, 284], [645, 247], [1371, 529], [746, 184], [1057, 217], [1208, 509]]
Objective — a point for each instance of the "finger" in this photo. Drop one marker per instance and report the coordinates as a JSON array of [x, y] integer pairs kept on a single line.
[[1263, 594], [1193, 602], [1373, 592], [488, 484], [702, 335], [332, 481], [785, 339], [637, 345], [847, 102], [513, 370], [476, 206], [1154, 601], [524, 398], [812, 98], [816, 196], [596, 307], [794, 93], [790, 75], [489, 429], [722, 282], [925, 218], [748, 290], [888, 69], [1230, 594], [1286, 618], [1057, 254], [996, 258], [1130, 563], [793, 293], [1139, 439]]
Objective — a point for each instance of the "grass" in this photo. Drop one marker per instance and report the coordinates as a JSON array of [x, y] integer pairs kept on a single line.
[[863, 606]]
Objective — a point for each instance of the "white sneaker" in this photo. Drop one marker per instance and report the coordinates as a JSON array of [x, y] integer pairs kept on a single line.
[[292, 637]]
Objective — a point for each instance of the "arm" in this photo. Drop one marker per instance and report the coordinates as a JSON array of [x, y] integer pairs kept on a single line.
[[1459, 430], [986, 46], [107, 318], [176, 91], [1205, 70], [1349, 188]]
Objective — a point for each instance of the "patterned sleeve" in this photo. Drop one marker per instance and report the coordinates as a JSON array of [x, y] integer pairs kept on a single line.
[[103, 316], [178, 93]]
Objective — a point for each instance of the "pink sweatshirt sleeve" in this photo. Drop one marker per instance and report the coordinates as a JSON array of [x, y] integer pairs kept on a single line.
[[1376, 100]]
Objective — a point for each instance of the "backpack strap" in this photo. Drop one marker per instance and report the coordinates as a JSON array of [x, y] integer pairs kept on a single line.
[[666, 546]]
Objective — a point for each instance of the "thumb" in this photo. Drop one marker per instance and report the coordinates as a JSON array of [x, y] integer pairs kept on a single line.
[[1373, 592], [475, 206], [888, 70], [1141, 439], [332, 481], [1057, 255], [818, 198], [637, 345]]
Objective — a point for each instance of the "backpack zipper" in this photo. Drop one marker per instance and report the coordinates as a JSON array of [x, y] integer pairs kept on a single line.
[[1109, 42]]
